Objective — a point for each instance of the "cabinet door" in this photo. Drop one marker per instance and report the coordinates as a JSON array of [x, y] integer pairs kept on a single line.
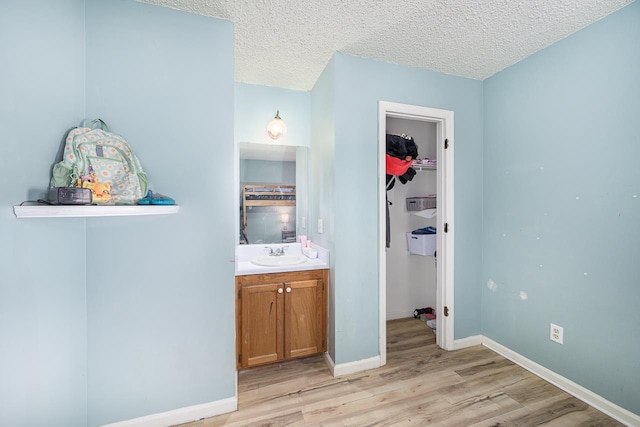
[[303, 318], [262, 324]]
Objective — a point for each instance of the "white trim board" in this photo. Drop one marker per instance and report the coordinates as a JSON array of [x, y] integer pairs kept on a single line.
[[576, 390], [352, 367], [467, 342], [393, 315], [181, 415]]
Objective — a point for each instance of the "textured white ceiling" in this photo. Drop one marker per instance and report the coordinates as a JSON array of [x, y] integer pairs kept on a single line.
[[288, 43]]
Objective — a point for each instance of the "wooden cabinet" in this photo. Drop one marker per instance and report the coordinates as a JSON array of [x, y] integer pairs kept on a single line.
[[280, 316]]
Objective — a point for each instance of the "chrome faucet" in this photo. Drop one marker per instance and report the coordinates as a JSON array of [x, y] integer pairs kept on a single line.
[[278, 252]]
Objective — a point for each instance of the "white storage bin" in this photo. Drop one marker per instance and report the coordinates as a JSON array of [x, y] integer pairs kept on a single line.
[[422, 244], [420, 203]]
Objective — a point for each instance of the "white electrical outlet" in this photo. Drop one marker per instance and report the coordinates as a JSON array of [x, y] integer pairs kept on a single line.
[[320, 226], [303, 222], [556, 333]]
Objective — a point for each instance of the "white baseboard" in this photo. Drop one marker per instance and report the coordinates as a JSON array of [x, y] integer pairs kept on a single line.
[[393, 315], [467, 342], [586, 395], [330, 363], [352, 367], [181, 415]]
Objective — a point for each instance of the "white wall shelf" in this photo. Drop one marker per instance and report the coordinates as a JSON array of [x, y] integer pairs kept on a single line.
[[427, 213], [70, 211], [422, 168]]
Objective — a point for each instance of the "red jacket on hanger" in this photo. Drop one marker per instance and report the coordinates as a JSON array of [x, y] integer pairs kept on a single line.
[[396, 166]]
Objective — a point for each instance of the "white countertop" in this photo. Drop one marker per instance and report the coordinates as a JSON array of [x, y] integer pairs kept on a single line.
[[244, 254]]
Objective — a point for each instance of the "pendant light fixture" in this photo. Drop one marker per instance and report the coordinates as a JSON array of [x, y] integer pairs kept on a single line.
[[276, 127]]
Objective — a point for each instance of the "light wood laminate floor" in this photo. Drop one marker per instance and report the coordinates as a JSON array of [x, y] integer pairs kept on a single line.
[[420, 385]]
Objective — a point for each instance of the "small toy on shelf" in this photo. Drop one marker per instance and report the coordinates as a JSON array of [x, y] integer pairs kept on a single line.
[[100, 192], [156, 199]]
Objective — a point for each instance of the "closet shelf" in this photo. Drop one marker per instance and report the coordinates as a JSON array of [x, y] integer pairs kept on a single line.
[[421, 168], [427, 213], [79, 211]]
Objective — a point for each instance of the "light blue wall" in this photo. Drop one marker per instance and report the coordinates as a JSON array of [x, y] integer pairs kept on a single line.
[[43, 331], [160, 290], [359, 85], [562, 207], [321, 182], [267, 172], [256, 106]]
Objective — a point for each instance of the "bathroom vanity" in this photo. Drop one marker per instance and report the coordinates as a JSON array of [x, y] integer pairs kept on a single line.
[[281, 310]]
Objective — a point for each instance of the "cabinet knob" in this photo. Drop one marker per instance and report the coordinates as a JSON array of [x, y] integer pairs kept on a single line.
[[279, 290], [289, 289]]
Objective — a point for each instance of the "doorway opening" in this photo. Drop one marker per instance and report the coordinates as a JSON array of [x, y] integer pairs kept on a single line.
[[443, 140]]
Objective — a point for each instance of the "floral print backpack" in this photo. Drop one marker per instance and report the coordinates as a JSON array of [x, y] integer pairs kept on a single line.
[[99, 159]]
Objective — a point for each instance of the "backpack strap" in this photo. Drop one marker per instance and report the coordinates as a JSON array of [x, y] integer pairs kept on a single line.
[[86, 123]]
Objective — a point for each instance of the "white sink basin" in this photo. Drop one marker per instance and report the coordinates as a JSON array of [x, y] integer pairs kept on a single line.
[[278, 261]]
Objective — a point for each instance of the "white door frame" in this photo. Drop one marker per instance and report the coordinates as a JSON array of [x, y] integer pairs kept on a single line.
[[444, 247]]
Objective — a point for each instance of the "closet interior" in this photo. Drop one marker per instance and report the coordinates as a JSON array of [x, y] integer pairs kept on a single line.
[[412, 209]]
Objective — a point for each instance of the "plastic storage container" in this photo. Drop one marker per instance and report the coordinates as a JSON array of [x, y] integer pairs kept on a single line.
[[421, 203], [422, 244]]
